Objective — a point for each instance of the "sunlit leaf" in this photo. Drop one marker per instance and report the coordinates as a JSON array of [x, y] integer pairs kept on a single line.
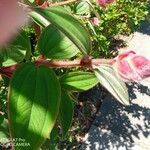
[[34, 99], [4, 132], [66, 23], [55, 45], [108, 78], [78, 81], [82, 8]]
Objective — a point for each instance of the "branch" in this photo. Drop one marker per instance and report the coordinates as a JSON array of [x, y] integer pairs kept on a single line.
[[50, 5], [62, 3], [84, 62], [74, 63]]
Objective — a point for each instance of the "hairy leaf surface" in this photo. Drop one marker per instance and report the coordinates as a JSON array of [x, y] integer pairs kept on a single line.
[[34, 100], [108, 78], [66, 23], [78, 81], [55, 45]]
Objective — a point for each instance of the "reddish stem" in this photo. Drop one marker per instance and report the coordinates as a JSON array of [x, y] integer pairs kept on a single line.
[[62, 3], [8, 71], [73, 63]]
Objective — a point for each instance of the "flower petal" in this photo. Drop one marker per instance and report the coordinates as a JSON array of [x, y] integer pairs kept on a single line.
[[131, 66]]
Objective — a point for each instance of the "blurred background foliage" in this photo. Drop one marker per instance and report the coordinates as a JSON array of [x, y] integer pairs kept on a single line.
[[122, 17]]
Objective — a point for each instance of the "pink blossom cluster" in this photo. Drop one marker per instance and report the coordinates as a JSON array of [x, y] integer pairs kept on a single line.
[[104, 3], [131, 66]]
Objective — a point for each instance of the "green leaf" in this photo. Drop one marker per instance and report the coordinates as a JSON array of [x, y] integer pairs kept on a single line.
[[31, 1], [11, 56], [22, 41], [4, 134], [55, 45], [52, 142], [66, 23], [16, 51], [40, 20], [82, 8], [78, 81], [1, 119], [66, 112], [109, 79], [34, 100]]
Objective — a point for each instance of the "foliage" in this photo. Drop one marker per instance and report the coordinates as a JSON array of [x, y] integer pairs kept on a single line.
[[120, 17], [40, 98], [123, 17]]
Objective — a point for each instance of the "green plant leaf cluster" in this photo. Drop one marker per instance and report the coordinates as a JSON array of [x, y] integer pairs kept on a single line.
[[38, 99], [122, 17], [72, 28]]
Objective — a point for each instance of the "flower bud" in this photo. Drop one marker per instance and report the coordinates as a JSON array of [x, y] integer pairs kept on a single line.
[[95, 21], [131, 66]]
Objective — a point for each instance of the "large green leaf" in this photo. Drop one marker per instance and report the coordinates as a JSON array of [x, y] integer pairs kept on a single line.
[[16, 51], [66, 23], [109, 79], [34, 100], [66, 112], [78, 81], [55, 45]]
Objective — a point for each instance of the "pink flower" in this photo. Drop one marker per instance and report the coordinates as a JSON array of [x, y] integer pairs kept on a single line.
[[95, 21], [104, 3], [12, 17], [131, 66]]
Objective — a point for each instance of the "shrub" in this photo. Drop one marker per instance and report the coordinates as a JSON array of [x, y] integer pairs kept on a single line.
[[40, 91]]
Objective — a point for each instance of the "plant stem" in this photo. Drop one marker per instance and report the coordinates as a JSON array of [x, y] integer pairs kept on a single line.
[[73, 63], [62, 3], [86, 63], [52, 4]]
